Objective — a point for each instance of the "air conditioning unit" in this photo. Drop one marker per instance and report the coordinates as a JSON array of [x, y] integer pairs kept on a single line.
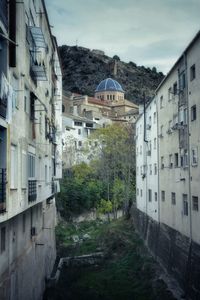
[[33, 231]]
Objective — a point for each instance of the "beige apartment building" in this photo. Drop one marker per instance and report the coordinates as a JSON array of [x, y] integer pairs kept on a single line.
[[30, 148]]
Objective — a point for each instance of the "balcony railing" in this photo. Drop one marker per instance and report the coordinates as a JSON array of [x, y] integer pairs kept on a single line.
[[4, 12], [2, 190], [32, 190]]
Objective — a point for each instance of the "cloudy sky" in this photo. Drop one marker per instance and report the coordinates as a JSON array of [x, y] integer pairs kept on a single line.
[[147, 32]]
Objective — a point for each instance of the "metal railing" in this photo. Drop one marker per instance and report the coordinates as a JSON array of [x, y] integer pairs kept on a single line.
[[32, 190], [2, 190]]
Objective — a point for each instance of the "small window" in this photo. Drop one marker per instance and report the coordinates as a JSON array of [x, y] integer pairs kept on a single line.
[[176, 162], [193, 113], [79, 131], [156, 196], [170, 94], [175, 88], [140, 193], [150, 169], [80, 143], [194, 156], [173, 195], [163, 195], [137, 192], [76, 123], [161, 102], [195, 203], [155, 169], [154, 118], [3, 239], [170, 161], [24, 223], [150, 195], [182, 81], [185, 205], [162, 162], [192, 72]]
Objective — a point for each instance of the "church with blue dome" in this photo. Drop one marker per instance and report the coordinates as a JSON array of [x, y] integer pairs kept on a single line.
[[110, 90]]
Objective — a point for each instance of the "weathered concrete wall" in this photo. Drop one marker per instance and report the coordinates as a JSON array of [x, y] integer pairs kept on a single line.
[[175, 252]]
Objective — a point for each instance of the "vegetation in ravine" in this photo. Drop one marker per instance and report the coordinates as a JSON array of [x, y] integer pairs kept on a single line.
[[108, 182], [127, 272]]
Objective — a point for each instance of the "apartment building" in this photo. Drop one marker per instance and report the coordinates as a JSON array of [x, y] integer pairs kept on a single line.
[[175, 236], [30, 148], [146, 161]]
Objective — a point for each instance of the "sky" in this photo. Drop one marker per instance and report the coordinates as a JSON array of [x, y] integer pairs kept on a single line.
[[147, 32]]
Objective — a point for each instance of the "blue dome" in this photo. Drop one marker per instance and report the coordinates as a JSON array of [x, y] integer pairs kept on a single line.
[[109, 84]]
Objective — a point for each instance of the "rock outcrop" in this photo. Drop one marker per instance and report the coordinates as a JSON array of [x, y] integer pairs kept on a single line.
[[83, 69]]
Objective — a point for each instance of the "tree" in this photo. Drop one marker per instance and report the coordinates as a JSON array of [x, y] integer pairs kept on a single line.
[[105, 207]]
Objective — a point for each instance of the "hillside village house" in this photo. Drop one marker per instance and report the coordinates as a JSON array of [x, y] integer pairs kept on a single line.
[[168, 172], [83, 114], [30, 148]]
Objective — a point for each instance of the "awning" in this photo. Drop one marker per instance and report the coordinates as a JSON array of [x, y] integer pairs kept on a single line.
[[38, 37]]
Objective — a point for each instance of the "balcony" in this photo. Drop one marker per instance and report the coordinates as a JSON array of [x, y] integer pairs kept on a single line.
[[4, 12], [2, 190], [32, 190]]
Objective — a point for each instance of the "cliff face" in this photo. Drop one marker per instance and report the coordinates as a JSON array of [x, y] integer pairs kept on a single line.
[[83, 70]]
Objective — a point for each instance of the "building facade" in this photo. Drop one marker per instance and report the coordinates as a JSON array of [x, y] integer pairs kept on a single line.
[[175, 236], [30, 148]]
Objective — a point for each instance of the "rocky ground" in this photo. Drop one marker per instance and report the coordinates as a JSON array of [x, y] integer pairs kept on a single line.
[[127, 271]]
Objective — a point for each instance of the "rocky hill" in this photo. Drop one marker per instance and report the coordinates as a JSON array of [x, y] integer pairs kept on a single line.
[[83, 69]]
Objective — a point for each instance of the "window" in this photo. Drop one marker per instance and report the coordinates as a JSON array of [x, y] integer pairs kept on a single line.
[[140, 149], [15, 98], [149, 122], [163, 195], [173, 195], [194, 156], [150, 195], [14, 167], [192, 72], [140, 193], [76, 123], [154, 143], [107, 97], [195, 203], [80, 143], [79, 131], [185, 205], [176, 160], [3, 239], [46, 175], [182, 81], [155, 169], [137, 192], [161, 102], [27, 100], [31, 165], [156, 196], [150, 169], [175, 88], [162, 162], [154, 118], [170, 94], [170, 161], [161, 131], [89, 125], [193, 113], [24, 170]]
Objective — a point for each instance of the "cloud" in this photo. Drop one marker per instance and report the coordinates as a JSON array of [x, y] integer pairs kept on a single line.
[[146, 32]]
